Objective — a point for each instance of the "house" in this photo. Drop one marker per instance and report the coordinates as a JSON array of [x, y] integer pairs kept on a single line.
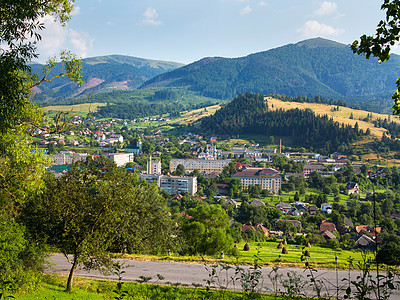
[[300, 206], [328, 235], [258, 227], [362, 229], [246, 227], [343, 229], [222, 188], [257, 202], [352, 188], [285, 208], [338, 155], [395, 216], [296, 223], [349, 223], [365, 242], [232, 202], [295, 212], [326, 207], [312, 209], [264, 230], [327, 226], [177, 197]]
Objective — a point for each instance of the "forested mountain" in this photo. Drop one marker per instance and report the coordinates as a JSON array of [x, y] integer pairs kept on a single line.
[[114, 72], [248, 114], [312, 67]]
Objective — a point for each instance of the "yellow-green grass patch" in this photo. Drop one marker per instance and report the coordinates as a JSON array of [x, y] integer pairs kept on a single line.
[[342, 115], [83, 108]]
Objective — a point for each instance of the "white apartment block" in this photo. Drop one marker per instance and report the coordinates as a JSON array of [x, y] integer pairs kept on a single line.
[[173, 184], [203, 165], [268, 178], [120, 158], [67, 157]]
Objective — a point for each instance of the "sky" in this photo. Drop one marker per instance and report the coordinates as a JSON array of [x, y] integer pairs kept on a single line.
[[187, 30]]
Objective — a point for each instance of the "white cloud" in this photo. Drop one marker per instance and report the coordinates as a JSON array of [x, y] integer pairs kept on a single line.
[[150, 17], [76, 11], [263, 3], [315, 29], [246, 10], [82, 43], [56, 37], [110, 23], [326, 8]]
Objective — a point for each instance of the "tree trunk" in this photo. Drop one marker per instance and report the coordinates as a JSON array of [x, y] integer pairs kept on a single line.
[[71, 274]]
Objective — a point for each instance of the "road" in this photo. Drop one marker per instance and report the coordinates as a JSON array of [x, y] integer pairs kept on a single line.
[[189, 274]]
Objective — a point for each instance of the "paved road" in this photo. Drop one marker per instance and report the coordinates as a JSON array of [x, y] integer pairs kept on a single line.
[[190, 274]]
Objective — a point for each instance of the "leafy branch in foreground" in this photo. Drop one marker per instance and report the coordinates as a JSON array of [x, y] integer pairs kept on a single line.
[[379, 45]]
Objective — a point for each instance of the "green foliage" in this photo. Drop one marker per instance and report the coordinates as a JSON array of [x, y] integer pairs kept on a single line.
[[207, 231], [378, 45], [95, 207]]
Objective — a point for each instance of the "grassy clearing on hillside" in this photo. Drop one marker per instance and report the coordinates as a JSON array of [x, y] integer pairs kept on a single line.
[[341, 116], [77, 109], [196, 114]]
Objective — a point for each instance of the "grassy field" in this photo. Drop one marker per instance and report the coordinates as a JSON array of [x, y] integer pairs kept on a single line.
[[78, 109], [196, 114], [341, 116], [321, 257]]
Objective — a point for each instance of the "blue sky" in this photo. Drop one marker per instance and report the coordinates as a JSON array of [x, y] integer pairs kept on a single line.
[[188, 30]]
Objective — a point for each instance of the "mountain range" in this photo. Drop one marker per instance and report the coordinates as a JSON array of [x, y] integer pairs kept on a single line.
[[314, 67], [311, 67], [100, 74]]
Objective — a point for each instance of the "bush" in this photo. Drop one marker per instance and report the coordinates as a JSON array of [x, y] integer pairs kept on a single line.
[[246, 247]]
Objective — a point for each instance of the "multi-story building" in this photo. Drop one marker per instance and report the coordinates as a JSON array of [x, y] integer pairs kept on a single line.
[[268, 178], [173, 184], [308, 169], [120, 158], [153, 166], [178, 184], [203, 165], [67, 157]]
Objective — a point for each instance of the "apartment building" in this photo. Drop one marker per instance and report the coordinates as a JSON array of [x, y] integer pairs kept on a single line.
[[203, 165], [268, 178]]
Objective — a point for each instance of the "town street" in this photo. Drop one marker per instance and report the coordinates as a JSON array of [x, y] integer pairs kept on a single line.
[[189, 274]]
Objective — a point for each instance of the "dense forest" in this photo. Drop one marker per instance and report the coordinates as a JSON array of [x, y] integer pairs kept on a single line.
[[249, 114], [140, 110]]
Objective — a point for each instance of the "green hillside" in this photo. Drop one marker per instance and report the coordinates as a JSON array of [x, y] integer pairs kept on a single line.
[[312, 67]]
